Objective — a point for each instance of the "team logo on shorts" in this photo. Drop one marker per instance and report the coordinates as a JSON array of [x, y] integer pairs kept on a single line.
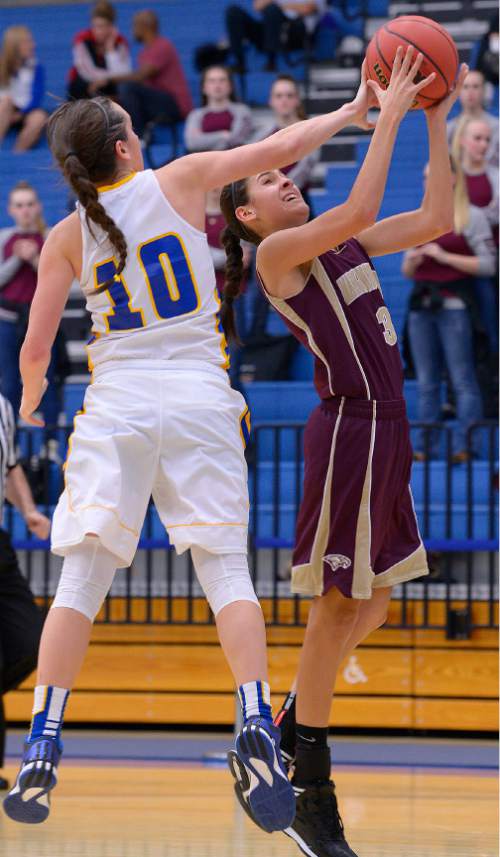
[[337, 560]]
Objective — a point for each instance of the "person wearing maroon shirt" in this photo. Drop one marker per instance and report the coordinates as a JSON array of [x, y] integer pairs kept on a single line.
[[470, 146], [439, 323], [357, 534], [20, 248], [221, 122], [159, 87]]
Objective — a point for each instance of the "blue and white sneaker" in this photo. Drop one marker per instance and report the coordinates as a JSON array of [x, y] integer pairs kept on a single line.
[[29, 800], [262, 786]]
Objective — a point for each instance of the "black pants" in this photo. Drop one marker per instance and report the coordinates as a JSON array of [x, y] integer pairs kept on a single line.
[[271, 35], [144, 104], [79, 88], [20, 628]]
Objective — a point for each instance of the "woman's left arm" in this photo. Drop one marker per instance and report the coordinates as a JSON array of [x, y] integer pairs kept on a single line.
[[435, 215], [55, 275]]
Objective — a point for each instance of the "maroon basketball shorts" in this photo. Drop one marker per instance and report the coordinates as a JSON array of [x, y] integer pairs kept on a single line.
[[356, 528]]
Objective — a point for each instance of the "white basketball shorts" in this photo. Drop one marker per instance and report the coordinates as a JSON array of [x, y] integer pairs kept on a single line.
[[178, 435]]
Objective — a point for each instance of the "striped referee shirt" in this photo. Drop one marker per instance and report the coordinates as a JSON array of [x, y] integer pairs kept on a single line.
[[7, 446]]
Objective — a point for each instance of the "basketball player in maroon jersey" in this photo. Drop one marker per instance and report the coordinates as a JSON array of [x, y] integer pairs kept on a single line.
[[357, 535]]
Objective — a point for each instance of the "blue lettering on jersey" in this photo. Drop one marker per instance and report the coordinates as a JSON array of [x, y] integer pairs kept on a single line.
[[169, 276], [122, 316], [170, 279]]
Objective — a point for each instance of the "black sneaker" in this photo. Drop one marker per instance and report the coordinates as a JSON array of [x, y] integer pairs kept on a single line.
[[318, 828]]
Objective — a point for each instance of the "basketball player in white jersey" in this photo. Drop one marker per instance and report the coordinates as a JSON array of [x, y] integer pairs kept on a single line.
[[159, 417]]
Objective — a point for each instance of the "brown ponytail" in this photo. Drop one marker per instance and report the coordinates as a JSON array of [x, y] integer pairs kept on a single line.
[[232, 196], [82, 136], [232, 281]]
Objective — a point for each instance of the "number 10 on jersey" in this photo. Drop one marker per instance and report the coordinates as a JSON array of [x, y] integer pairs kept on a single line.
[[168, 275]]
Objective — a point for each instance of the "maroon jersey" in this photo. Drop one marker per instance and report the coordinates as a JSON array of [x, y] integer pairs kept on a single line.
[[479, 189], [217, 120], [341, 318], [21, 287], [436, 272]]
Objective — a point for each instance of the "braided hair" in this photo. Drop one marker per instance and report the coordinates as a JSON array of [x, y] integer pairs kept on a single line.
[[82, 136], [232, 196]]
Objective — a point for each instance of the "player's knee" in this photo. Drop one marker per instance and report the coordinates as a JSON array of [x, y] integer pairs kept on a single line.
[[224, 578], [345, 609], [86, 577]]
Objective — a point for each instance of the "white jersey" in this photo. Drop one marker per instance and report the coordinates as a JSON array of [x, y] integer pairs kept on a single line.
[[164, 306]]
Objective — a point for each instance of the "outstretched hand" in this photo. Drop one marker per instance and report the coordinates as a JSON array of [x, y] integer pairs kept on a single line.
[[364, 99], [401, 93], [443, 107]]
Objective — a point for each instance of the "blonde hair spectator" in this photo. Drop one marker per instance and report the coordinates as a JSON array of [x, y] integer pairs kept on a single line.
[[22, 88]]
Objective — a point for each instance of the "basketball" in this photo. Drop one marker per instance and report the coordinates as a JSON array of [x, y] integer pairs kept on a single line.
[[428, 38]]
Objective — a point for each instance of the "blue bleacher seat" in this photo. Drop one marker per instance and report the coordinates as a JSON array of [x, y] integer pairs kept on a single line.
[[283, 484], [269, 401]]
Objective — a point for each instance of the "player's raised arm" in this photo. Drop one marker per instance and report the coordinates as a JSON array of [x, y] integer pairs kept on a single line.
[[55, 275], [207, 170], [286, 249], [435, 215]]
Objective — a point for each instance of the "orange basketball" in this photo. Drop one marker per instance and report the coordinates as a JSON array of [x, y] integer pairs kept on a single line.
[[428, 38]]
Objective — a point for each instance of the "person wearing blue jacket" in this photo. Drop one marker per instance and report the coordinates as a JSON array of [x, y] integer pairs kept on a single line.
[[22, 88]]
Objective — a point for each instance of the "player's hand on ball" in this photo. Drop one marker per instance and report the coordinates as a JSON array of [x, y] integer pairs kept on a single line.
[[442, 108], [364, 99], [38, 524], [402, 91], [29, 406]]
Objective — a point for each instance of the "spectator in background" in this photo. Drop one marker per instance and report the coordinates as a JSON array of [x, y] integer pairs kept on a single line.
[[470, 145], [472, 98], [484, 56], [214, 226], [283, 26], [99, 53], [287, 107], [20, 247], [22, 88], [221, 123], [159, 87], [20, 619], [441, 316]]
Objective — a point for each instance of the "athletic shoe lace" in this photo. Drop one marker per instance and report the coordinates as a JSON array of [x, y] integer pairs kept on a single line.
[[322, 810]]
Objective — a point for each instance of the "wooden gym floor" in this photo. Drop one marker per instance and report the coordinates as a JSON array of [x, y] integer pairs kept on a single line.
[[144, 808]]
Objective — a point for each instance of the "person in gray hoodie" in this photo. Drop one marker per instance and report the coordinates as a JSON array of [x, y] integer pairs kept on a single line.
[[221, 122]]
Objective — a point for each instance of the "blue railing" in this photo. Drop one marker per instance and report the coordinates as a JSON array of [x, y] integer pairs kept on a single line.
[[456, 504]]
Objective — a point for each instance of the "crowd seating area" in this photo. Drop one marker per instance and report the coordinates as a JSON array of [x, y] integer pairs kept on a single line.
[[328, 86]]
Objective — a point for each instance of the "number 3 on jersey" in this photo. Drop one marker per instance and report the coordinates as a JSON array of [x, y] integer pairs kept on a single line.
[[384, 318], [170, 281]]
